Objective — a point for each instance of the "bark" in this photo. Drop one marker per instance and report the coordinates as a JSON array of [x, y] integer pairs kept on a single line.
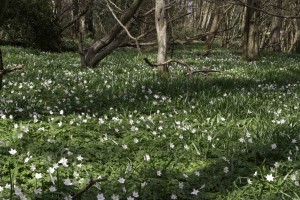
[[251, 32], [101, 48], [275, 30], [214, 27], [1, 69], [75, 18], [161, 30]]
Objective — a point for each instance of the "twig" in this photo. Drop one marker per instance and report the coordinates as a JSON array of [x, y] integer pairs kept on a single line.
[[88, 186], [11, 69]]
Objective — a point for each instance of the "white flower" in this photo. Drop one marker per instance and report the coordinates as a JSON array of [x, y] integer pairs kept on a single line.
[[121, 180], [100, 197], [293, 177], [27, 159], [195, 192], [255, 173], [209, 138], [63, 161], [186, 147], [52, 188], [51, 170], [38, 175], [13, 151], [143, 184], [79, 157], [180, 185], [197, 173], [158, 173], [130, 198], [270, 177], [273, 146], [1, 188], [172, 145], [135, 194], [173, 196], [38, 191], [115, 197], [146, 157], [249, 181], [226, 170], [67, 182]]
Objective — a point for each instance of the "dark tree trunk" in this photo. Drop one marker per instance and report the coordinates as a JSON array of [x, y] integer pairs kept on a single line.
[[251, 31], [1, 69], [91, 56], [275, 30], [75, 12]]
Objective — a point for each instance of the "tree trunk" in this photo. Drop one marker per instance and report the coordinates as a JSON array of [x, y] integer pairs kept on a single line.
[[214, 27], [75, 12], [251, 33], [275, 30], [101, 48], [1, 68], [161, 30]]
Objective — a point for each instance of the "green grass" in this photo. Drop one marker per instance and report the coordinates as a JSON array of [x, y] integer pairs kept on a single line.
[[168, 137]]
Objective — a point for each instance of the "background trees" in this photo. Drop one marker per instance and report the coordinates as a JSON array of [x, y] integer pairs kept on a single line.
[[247, 25]]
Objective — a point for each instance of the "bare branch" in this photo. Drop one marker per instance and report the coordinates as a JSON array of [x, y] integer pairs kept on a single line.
[[11, 69], [165, 63], [124, 27], [88, 186], [241, 3]]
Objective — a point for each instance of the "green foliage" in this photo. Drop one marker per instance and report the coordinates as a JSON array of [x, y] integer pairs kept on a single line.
[[32, 22], [232, 135]]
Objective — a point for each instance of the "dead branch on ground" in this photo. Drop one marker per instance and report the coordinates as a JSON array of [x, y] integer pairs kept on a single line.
[[190, 71], [11, 69], [88, 186]]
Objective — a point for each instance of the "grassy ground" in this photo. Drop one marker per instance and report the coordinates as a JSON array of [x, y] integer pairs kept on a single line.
[[231, 135]]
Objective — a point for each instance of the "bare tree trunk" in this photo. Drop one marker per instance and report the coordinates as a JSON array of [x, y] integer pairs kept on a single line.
[[75, 12], [1, 69], [89, 24], [101, 48], [214, 26], [275, 30], [251, 33], [161, 30]]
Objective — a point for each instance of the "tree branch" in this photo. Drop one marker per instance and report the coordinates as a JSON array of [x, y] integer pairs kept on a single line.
[[241, 3], [11, 69], [88, 186]]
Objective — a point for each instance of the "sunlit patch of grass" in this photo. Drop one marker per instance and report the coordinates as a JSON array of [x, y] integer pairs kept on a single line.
[[229, 135]]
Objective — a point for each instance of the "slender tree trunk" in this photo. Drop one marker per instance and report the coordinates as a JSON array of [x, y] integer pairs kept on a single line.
[[89, 23], [1, 68], [161, 30], [75, 12], [214, 26], [251, 32], [275, 30]]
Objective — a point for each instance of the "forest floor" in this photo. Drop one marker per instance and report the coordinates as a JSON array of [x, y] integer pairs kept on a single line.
[[228, 135]]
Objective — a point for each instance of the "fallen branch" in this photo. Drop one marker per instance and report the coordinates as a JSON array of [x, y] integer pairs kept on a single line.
[[11, 69], [165, 63], [190, 71], [88, 186], [202, 71]]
